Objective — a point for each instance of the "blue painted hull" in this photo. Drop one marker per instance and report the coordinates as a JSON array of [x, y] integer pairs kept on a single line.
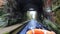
[[32, 25]]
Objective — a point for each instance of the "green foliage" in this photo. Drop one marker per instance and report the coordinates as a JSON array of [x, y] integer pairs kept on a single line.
[[57, 16], [6, 33], [52, 26], [3, 19]]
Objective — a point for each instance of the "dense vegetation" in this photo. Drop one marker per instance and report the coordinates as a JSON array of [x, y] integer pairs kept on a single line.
[[10, 15]]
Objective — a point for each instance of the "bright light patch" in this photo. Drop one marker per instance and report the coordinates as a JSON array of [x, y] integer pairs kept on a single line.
[[48, 10], [33, 14]]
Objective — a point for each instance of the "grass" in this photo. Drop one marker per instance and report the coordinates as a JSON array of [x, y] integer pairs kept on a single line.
[[6, 33]]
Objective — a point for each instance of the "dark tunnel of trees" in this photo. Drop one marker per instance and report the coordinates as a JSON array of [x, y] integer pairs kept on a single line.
[[19, 8]]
